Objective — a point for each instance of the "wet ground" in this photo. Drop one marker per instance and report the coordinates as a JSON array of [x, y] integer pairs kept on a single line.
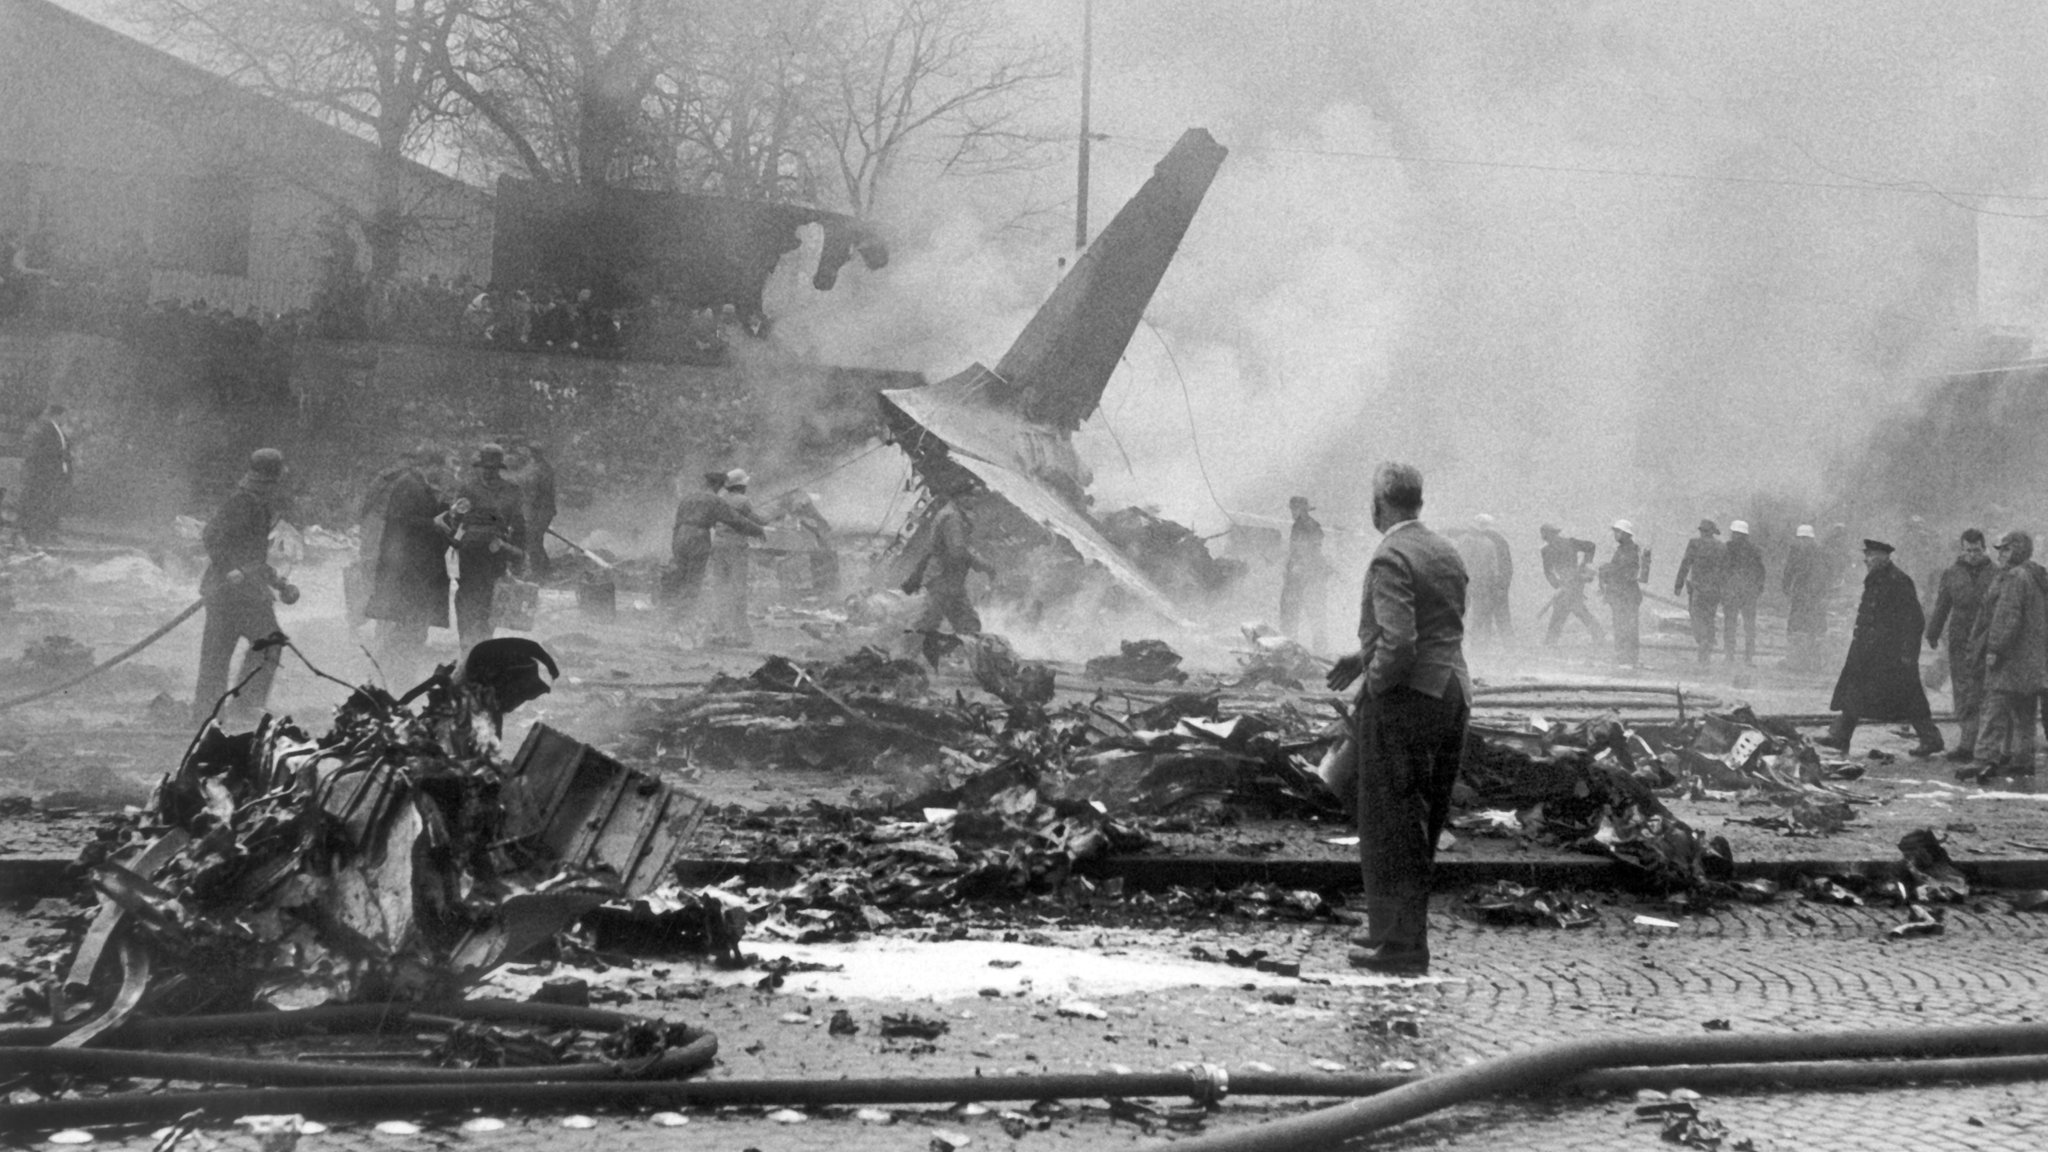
[[1049, 986]]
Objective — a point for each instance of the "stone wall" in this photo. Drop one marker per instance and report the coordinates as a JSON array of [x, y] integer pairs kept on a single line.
[[155, 437]]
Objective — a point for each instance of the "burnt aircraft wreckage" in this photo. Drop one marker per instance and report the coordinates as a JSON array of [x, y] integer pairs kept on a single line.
[[1011, 427]]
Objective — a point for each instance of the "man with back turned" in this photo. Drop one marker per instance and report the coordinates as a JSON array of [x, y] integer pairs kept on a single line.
[[1410, 720]]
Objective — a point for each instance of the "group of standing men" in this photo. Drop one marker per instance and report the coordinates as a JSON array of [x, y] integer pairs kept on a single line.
[[413, 516], [1994, 619], [1727, 579]]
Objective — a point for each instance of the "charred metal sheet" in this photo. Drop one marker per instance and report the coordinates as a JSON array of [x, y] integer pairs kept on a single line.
[[588, 811]]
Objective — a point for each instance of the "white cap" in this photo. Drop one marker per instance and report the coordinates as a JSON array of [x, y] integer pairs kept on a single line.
[[1627, 526], [737, 478], [1805, 530], [1483, 520], [1741, 526]]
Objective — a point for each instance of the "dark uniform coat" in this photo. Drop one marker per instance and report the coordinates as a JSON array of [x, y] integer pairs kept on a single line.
[[1881, 678], [1742, 574], [411, 573], [1964, 586]]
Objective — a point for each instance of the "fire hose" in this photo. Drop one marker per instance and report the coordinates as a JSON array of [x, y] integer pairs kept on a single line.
[[1825, 1060], [162, 631]]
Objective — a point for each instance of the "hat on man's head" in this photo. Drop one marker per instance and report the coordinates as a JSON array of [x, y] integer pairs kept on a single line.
[[1805, 530], [1483, 520], [714, 479], [1710, 526], [737, 478], [267, 462], [1741, 526], [1628, 526], [1548, 530], [1300, 502], [1878, 546], [490, 456]]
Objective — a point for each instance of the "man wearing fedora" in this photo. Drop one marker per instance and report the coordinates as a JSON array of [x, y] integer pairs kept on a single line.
[[1881, 677], [488, 526]]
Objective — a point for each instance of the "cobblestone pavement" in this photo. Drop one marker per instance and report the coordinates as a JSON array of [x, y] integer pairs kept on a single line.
[[1784, 967]]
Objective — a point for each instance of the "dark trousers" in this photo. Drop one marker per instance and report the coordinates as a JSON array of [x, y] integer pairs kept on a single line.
[[1410, 746], [945, 602], [1966, 687], [1703, 605], [1571, 608], [1302, 612], [1845, 726], [232, 617], [2008, 733], [1628, 632], [476, 591], [1746, 610], [682, 586]]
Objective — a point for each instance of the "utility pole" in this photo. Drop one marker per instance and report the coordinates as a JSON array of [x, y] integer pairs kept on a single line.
[[1087, 77]]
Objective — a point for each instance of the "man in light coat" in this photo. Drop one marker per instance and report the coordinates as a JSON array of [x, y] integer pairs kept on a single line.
[[2012, 634]]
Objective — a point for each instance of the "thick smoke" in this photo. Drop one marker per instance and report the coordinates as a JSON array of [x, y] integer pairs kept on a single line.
[[1547, 344]]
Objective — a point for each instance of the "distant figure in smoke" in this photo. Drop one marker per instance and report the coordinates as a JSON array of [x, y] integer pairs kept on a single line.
[[535, 475], [731, 567], [238, 587], [409, 565], [1965, 586], [682, 586], [1742, 585], [45, 477], [1835, 557], [1919, 552], [1495, 600], [1881, 677], [1699, 579], [488, 525], [1804, 583], [2011, 637], [823, 557], [1565, 560], [942, 573], [1304, 581], [1621, 585]]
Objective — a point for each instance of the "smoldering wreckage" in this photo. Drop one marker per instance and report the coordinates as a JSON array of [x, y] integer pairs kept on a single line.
[[328, 906]]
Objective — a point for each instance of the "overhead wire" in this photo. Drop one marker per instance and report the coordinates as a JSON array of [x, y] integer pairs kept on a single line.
[[1845, 184], [1194, 433]]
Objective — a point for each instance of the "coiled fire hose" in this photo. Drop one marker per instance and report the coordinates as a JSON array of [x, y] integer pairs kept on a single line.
[[1810, 1061]]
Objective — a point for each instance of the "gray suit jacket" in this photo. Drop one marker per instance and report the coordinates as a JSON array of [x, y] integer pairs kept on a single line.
[[1411, 622]]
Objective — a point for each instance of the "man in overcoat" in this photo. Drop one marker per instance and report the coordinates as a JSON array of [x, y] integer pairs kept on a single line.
[[1881, 677], [1964, 587], [409, 577], [2011, 635]]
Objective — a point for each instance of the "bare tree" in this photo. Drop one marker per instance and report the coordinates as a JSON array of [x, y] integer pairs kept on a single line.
[[568, 86], [905, 71], [739, 98], [365, 65]]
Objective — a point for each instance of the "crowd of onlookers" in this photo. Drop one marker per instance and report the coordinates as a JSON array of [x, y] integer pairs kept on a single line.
[[407, 309]]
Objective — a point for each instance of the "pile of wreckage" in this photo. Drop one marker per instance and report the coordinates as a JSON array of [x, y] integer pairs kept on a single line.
[[399, 856]]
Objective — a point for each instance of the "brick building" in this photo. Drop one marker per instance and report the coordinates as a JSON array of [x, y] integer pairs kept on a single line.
[[124, 165]]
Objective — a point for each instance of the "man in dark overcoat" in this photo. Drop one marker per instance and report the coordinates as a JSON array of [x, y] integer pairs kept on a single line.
[[1881, 678], [45, 477], [239, 587], [409, 575]]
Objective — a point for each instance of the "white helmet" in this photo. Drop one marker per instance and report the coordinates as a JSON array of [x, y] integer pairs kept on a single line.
[[1741, 526], [1627, 526], [1805, 530]]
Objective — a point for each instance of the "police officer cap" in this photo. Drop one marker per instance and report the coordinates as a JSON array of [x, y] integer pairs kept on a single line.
[[1877, 546], [266, 462]]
